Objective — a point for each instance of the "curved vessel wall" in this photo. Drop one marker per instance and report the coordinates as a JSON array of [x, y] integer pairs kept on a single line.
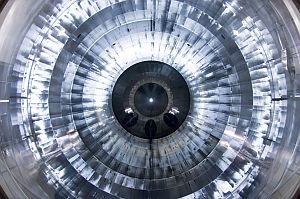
[[240, 60]]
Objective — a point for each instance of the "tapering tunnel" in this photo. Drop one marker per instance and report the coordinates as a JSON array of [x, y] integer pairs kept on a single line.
[[155, 99], [151, 91]]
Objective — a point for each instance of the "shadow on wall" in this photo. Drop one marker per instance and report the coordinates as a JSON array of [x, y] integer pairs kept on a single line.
[[2, 4], [297, 3], [2, 194]]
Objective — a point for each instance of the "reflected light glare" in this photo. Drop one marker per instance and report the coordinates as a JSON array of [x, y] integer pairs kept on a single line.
[[58, 97]]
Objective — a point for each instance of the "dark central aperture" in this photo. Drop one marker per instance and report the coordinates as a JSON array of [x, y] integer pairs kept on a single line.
[[151, 99]]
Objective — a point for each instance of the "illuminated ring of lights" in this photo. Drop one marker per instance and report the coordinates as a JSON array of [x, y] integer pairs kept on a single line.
[[156, 81]]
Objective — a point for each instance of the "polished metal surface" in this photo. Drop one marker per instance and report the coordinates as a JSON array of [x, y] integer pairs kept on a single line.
[[61, 58]]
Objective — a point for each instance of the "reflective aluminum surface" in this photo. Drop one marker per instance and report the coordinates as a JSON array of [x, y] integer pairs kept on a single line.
[[59, 136]]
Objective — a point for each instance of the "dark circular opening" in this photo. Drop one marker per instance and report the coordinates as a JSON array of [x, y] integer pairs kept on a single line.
[[151, 99]]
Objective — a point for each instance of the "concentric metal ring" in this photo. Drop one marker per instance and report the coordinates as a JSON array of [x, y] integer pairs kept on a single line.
[[146, 81], [232, 57]]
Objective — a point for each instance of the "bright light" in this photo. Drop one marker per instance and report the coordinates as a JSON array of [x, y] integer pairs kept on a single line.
[[128, 110], [151, 100]]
